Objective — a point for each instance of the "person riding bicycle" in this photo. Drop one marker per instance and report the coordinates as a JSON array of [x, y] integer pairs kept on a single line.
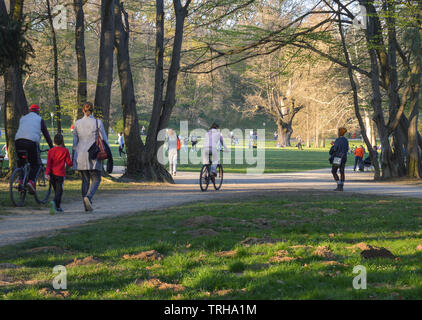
[[212, 138], [28, 139]]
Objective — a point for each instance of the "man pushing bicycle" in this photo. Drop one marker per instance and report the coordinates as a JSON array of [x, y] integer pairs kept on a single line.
[[28, 139]]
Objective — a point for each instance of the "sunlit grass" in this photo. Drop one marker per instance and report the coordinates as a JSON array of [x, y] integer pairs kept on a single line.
[[196, 264]]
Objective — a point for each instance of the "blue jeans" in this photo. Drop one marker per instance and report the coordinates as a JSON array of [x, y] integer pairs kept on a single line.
[[88, 188], [358, 160]]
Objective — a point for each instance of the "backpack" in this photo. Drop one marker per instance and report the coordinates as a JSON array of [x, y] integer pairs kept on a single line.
[[178, 144]]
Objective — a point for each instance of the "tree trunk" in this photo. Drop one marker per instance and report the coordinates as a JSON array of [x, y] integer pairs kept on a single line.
[[105, 67], [374, 36], [374, 159], [151, 168], [56, 69], [133, 142], [82, 92], [308, 135], [15, 104], [413, 152], [284, 134]]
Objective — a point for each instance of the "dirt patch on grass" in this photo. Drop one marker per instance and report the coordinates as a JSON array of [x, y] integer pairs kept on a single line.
[[197, 221], [150, 255], [54, 293], [83, 262], [283, 256], [324, 252], [361, 246], [374, 253], [227, 254], [282, 259], [153, 267], [301, 246], [9, 280], [202, 232], [159, 285], [253, 241], [334, 263]]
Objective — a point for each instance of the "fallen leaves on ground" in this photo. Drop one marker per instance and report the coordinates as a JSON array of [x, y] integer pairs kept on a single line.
[[90, 260], [159, 285], [150, 255], [324, 252]]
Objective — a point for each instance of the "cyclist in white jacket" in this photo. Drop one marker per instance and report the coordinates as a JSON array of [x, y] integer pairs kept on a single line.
[[212, 138]]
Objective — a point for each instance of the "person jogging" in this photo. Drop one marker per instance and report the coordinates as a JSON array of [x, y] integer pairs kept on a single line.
[[28, 139]]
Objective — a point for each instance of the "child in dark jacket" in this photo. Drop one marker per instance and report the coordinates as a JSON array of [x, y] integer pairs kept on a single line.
[[58, 157]]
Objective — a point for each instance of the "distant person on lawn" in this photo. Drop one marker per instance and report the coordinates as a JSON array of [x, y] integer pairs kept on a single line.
[[84, 136], [121, 142], [359, 151], [57, 158], [338, 159], [172, 151]]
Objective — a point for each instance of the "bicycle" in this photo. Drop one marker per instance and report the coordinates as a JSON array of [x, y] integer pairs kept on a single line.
[[19, 180], [205, 176]]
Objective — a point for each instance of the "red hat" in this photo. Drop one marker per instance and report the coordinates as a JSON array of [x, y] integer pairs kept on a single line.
[[34, 108]]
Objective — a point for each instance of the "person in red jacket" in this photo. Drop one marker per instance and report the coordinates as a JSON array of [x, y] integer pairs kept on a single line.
[[57, 158]]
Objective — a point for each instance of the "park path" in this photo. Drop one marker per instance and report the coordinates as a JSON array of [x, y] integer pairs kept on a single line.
[[19, 224]]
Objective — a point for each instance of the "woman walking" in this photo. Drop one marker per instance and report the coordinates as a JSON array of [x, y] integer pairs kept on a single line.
[[172, 151], [84, 136], [338, 159]]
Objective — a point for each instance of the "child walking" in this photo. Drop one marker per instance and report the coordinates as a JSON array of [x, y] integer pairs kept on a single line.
[[57, 158]]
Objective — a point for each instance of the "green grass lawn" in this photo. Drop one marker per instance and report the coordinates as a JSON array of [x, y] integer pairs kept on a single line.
[[277, 160], [203, 256]]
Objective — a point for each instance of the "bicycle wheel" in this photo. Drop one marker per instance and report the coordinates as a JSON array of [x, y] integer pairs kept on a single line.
[[17, 189], [204, 179], [43, 188], [218, 180]]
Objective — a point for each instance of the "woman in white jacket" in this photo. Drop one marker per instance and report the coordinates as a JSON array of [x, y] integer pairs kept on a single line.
[[84, 135]]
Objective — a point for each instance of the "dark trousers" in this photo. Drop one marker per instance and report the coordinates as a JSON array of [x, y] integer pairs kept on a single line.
[[336, 168], [57, 183], [34, 159], [358, 160], [121, 150], [91, 180]]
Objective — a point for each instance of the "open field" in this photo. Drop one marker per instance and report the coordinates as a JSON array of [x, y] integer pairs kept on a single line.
[[282, 245], [277, 160]]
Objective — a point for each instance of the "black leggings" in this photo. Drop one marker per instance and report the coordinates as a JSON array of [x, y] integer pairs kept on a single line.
[[57, 183], [335, 169]]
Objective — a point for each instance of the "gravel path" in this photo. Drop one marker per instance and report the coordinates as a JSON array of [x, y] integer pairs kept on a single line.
[[25, 223]]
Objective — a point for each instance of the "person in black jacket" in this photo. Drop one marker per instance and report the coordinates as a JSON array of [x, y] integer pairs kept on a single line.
[[339, 150]]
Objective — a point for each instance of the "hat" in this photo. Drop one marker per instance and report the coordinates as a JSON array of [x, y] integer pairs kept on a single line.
[[34, 108]]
